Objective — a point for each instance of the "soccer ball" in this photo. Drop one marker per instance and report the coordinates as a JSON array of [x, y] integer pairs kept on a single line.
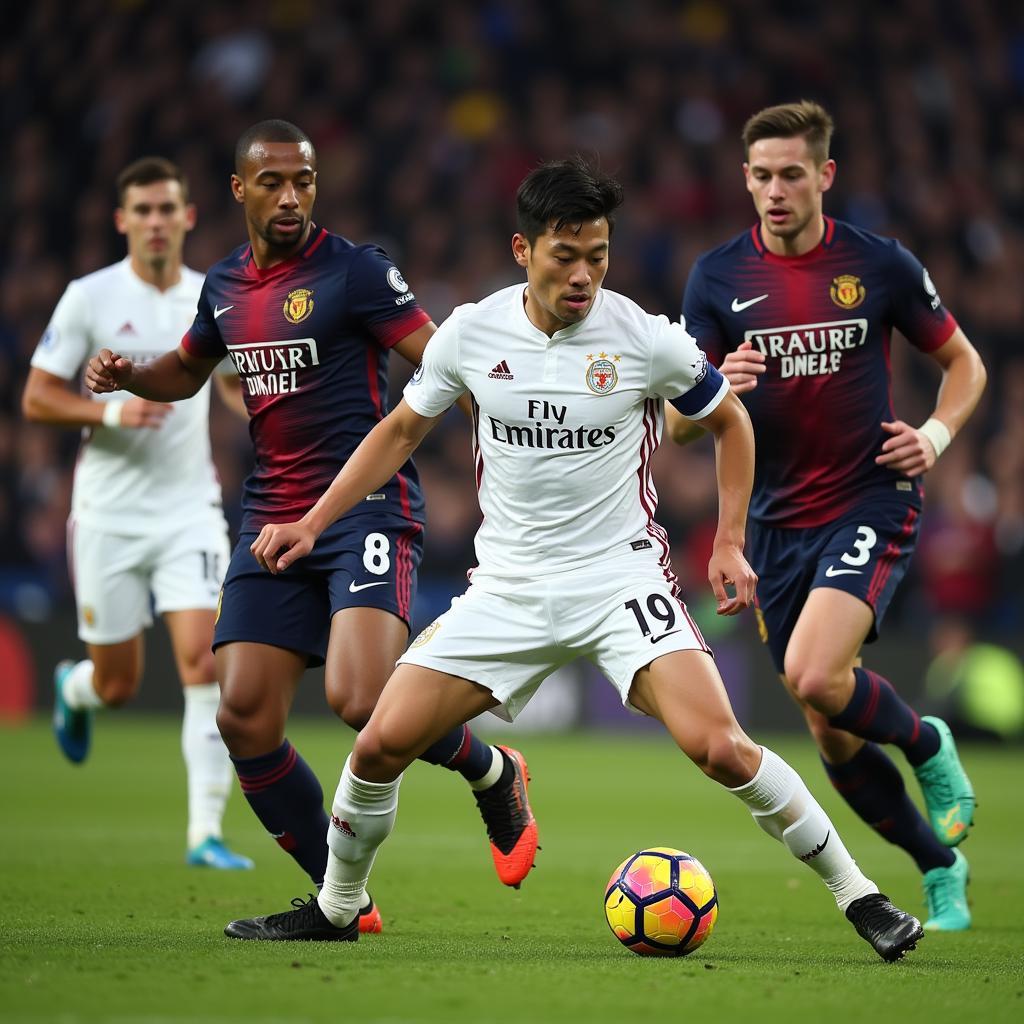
[[661, 902]]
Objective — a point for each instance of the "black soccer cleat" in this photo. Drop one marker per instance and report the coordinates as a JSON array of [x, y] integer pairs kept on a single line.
[[891, 931], [306, 923], [511, 827]]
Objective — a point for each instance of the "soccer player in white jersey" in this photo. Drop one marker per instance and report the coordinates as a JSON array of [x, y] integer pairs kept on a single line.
[[569, 385], [146, 515]]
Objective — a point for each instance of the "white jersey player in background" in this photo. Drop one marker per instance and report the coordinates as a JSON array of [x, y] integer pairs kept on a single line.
[[568, 385], [146, 516]]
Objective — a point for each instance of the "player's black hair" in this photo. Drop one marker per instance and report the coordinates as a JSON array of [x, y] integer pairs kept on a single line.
[[147, 171], [787, 121], [274, 130], [562, 192]]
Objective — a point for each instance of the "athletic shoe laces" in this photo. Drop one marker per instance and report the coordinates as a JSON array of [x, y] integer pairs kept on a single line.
[[503, 809], [938, 783]]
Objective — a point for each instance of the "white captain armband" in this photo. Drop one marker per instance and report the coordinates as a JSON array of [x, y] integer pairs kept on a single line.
[[113, 411], [937, 433]]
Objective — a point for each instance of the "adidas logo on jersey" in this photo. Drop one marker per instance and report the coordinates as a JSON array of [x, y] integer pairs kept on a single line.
[[127, 329], [502, 372]]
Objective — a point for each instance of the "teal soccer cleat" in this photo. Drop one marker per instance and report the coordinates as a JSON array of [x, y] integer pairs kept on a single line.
[[212, 853], [948, 793], [71, 726], [945, 892]]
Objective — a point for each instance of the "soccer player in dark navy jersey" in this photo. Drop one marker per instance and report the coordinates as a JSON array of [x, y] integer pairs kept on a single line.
[[309, 319], [799, 313]]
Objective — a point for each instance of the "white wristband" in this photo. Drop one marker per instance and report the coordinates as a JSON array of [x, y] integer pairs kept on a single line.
[[937, 433], [112, 413]]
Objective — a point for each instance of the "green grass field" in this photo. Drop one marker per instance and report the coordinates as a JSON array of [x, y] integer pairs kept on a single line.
[[101, 921]]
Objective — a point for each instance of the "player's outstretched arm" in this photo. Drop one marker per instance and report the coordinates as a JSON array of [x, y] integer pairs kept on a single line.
[[168, 378], [913, 451], [50, 399], [380, 455], [734, 459]]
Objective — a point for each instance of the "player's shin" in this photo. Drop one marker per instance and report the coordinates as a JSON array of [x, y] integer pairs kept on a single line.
[[783, 806], [362, 817]]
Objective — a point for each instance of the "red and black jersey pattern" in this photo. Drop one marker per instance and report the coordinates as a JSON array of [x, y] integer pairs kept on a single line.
[[310, 338], [824, 321]]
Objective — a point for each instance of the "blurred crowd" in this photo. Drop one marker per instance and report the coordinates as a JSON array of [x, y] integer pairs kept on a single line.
[[426, 115]]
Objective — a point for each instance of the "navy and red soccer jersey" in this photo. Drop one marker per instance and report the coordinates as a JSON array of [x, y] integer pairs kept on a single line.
[[310, 338], [824, 321]]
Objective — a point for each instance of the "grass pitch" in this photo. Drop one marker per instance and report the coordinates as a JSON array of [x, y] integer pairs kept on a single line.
[[101, 920]]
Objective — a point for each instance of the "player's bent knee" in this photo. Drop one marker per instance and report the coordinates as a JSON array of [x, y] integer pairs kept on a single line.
[[731, 758], [198, 668], [115, 690], [353, 713], [815, 688], [375, 758]]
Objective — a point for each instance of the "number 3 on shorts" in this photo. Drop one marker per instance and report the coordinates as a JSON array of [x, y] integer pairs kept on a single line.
[[862, 546], [375, 554]]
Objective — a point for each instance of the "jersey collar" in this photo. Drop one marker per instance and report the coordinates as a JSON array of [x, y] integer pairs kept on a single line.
[[563, 333], [766, 254], [317, 236]]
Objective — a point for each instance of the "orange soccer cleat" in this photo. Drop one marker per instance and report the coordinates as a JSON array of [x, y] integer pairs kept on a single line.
[[511, 827], [370, 919]]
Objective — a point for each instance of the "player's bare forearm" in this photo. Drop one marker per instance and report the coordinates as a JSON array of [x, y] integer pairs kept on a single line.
[[168, 378], [734, 461], [963, 381], [49, 399], [380, 455], [914, 450]]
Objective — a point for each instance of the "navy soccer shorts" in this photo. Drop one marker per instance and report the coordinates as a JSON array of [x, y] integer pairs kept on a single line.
[[864, 552], [360, 562]]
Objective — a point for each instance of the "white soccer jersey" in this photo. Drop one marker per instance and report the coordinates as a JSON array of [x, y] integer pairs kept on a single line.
[[565, 426], [134, 481]]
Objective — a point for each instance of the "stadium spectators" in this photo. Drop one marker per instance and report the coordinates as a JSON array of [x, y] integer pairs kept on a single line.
[[425, 116]]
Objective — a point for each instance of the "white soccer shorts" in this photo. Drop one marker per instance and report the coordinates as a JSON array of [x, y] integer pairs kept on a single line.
[[510, 634], [118, 578]]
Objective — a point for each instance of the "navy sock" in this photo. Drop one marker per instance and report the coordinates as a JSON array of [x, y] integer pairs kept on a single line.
[[873, 786], [460, 751], [286, 796], [877, 712]]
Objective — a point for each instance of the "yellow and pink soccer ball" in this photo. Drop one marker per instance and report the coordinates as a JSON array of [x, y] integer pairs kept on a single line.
[[661, 902]]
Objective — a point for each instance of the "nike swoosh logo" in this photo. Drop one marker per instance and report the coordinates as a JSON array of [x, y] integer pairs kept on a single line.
[[354, 588], [218, 311], [655, 639], [947, 818], [738, 307], [833, 571]]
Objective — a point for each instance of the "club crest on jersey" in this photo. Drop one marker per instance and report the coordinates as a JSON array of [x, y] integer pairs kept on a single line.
[[847, 292], [602, 376], [88, 615], [298, 305]]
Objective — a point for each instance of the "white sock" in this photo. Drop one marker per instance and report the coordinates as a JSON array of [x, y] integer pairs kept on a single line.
[[362, 817], [783, 806], [206, 761], [79, 692], [491, 776]]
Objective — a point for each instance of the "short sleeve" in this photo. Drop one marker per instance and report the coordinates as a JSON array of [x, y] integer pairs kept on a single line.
[[680, 371], [699, 317], [917, 310], [437, 383], [67, 341], [379, 298], [202, 339]]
